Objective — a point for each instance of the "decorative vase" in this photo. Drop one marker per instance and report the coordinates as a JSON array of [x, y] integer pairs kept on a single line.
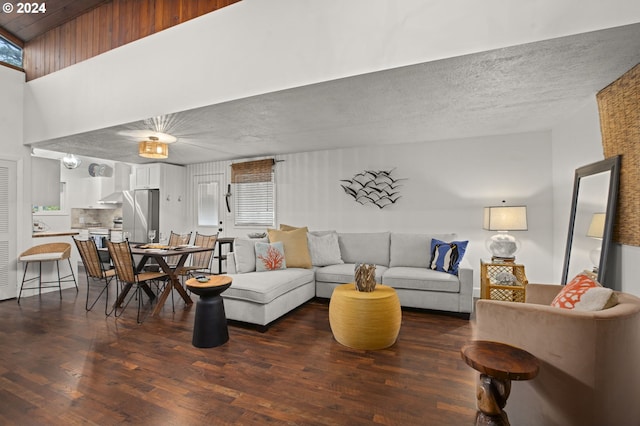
[[365, 276]]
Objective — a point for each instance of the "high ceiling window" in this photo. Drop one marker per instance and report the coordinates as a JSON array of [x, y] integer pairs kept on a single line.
[[10, 53]]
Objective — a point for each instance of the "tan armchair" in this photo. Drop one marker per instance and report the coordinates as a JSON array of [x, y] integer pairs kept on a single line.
[[590, 361]]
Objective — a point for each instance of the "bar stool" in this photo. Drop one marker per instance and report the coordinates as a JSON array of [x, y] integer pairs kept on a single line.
[[51, 252]]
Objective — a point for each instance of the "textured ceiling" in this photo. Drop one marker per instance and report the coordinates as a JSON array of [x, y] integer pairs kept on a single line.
[[523, 88]]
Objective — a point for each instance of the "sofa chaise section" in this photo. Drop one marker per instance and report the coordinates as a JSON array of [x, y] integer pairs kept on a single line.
[[262, 297]]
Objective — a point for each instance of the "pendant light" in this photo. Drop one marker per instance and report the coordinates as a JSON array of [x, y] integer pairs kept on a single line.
[[70, 161], [153, 148]]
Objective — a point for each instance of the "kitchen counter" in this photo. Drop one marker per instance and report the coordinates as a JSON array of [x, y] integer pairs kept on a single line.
[[41, 234]]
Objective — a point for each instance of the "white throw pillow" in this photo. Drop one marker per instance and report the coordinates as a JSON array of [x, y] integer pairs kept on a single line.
[[245, 254], [324, 249]]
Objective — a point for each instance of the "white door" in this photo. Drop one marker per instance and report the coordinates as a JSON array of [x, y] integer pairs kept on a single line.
[[208, 191], [8, 236]]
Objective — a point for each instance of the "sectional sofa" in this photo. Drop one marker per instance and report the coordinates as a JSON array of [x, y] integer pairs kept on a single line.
[[402, 261]]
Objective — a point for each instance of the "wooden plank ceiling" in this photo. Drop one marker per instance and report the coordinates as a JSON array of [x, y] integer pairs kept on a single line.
[[27, 26], [72, 31]]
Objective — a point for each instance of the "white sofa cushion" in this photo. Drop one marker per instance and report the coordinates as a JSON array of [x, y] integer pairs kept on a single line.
[[413, 250], [264, 287], [244, 252], [343, 273], [365, 248], [421, 279]]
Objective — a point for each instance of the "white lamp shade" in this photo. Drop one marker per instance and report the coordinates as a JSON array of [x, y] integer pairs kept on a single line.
[[596, 227], [505, 218]]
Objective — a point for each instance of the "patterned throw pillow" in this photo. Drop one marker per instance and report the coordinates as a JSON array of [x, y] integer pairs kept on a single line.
[[584, 293], [445, 257], [270, 257]]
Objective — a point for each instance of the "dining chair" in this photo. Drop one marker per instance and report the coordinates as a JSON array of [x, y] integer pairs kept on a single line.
[[50, 252], [176, 239], [95, 271], [200, 262], [126, 273]]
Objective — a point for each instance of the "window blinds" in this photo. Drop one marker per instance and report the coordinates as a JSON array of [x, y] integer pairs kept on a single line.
[[254, 193], [252, 171]]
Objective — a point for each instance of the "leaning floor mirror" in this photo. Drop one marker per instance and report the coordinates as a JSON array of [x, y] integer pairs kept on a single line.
[[593, 210]]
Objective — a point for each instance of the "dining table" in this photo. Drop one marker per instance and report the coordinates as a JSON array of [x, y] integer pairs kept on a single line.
[[160, 255]]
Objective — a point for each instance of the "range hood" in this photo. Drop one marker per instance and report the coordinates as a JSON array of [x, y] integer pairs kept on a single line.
[[121, 183], [113, 198]]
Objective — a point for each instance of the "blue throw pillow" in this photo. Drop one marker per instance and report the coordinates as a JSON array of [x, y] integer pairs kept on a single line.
[[445, 257], [270, 257]]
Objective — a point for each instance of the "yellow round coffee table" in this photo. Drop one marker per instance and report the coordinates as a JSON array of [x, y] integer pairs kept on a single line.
[[363, 320]]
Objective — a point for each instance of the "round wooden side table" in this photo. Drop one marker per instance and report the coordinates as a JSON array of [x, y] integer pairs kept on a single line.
[[498, 364], [210, 324], [362, 320]]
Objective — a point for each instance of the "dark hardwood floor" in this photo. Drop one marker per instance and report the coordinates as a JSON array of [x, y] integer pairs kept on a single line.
[[62, 365]]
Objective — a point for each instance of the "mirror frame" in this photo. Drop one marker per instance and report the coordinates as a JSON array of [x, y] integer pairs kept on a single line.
[[611, 165]]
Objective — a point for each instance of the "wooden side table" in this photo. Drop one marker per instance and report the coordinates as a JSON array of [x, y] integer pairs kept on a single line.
[[365, 320], [210, 324], [498, 364], [492, 287]]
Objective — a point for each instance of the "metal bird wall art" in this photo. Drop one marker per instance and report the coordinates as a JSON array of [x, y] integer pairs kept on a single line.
[[376, 187]]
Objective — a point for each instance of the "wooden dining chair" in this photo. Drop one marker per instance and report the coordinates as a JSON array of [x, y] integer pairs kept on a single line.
[[126, 273], [96, 272], [176, 239], [200, 262]]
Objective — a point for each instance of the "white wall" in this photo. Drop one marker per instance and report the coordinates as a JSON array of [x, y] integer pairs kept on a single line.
[[256, 46], [625, 265], [11, 129], [576, 143], [84, 190], [448, 183]]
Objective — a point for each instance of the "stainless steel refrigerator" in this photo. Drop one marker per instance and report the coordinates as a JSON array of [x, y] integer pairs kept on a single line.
[[141, 213]]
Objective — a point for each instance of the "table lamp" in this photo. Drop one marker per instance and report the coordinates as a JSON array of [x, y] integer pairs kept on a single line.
[[596, 230], [503, 219]]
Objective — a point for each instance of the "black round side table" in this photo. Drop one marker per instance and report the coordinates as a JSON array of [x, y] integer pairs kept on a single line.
[[210, 324]]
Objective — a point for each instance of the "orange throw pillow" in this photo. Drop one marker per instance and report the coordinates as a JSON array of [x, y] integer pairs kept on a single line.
[[584, 293]]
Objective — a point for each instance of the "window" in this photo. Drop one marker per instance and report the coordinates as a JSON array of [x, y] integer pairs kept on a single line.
[[10, 53], [208, 204], [254, 193]]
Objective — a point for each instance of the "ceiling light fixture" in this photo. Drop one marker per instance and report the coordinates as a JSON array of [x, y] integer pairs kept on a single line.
[[70, 161], [153, 148]]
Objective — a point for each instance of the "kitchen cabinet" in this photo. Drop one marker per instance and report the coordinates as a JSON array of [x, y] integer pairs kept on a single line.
[[148, 176]]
